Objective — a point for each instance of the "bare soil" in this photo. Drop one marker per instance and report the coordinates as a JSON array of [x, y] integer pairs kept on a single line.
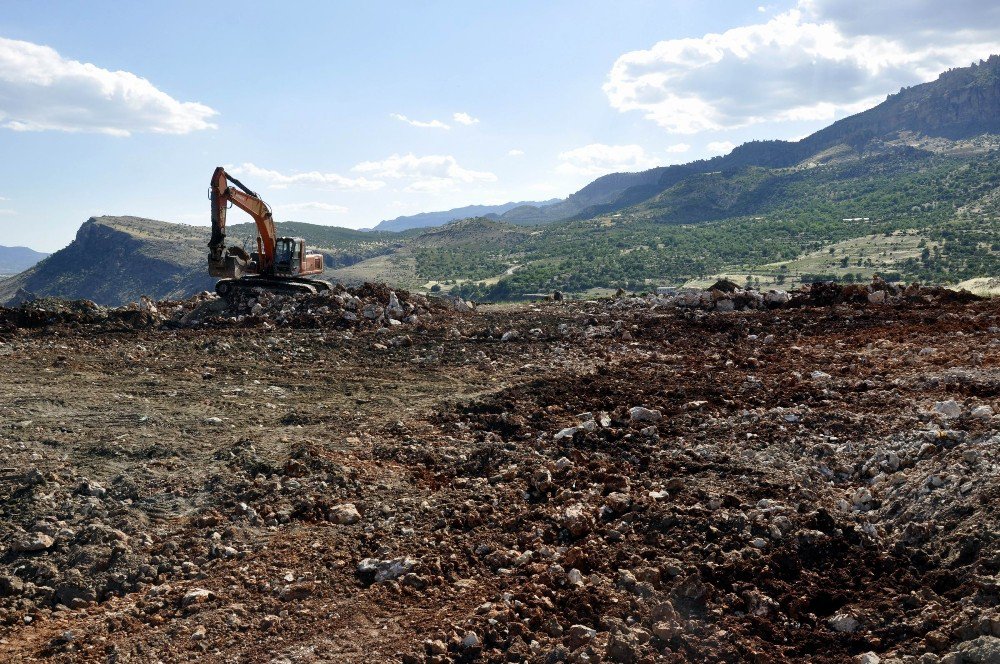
[[798, 489]]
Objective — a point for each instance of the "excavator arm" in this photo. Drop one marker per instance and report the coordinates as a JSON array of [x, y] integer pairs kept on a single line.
[[221, 262]]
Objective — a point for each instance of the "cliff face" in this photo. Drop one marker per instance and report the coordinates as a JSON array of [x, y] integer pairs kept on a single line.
[[114, 260]]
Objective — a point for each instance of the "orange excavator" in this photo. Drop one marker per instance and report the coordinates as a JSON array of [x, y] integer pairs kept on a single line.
[[280, 264]]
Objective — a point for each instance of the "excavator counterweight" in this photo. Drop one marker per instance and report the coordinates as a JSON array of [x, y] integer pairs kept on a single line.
[[279, 264]]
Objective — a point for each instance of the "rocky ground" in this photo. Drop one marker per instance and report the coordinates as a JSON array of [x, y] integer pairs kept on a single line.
[[372, 476]]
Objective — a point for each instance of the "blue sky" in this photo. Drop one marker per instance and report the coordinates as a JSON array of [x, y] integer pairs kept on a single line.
[[347, 114]]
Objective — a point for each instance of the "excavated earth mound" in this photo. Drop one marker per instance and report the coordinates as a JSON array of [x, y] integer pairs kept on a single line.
[[789, 477]]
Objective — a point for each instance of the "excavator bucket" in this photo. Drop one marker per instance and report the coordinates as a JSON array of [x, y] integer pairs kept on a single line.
[[229, 267]]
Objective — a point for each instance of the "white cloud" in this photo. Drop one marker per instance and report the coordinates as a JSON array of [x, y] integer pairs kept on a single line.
[[919, 23], [432, 173], [312, 206], [721, 147], [598, 159], [281, 180], [40, 90], [678, 147], [515, 153], [820, 60], [465, 119], [430, 124], [5, 212]]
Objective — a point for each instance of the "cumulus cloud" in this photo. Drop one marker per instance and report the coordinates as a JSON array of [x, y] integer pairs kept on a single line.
[[41, 90], [918, 23], [721, 147], [465, 119], [426, 174], [280, 180], [429, 124], [598, 159], [678, 147], [822, 59], [7, 212], [312, 206], [515, 152]]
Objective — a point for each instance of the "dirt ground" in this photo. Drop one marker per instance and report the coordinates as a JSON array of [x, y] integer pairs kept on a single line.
[[566, 481]]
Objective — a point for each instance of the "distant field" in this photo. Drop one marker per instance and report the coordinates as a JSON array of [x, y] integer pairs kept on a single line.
[[858, 258], [989, 286]]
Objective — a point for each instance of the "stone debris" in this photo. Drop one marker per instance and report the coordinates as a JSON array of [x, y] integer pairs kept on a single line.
[[641, 414], [374, 570], [843, 622], [628, 481], [32, 542], [369, 305], [346, 514], [728, 296]]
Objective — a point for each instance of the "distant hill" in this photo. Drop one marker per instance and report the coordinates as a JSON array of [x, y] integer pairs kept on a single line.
[[16, 259], [433, 219]]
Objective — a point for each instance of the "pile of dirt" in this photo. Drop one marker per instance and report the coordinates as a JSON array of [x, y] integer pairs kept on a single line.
[[370, 306], [727, 296]]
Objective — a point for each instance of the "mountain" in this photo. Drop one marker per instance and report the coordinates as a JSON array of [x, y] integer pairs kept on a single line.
[[961, 104], [432, 219], [16, 259], [114, 260]]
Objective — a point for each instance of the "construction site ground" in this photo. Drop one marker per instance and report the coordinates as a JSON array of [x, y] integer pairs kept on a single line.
[[562, 481]]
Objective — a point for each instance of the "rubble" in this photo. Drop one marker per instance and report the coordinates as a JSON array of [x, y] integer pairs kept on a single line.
[[370, 305], [628, 480]]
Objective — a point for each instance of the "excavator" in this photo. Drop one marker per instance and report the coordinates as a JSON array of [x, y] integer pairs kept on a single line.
[[280, 264]]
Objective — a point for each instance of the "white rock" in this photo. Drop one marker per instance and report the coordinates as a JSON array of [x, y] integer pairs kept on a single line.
[[982, 412], [33, 542], [640, 414], [394, 309], [197, 596], [575, 577], [345, 514], [869, 658], [777, 297], [565, 433], [819, 375], [843, 622], [562, 463], [470, 641], [215, 421], [948, 409]]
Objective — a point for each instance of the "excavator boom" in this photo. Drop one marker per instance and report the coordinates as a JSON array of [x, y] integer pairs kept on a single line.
[[239, 195]]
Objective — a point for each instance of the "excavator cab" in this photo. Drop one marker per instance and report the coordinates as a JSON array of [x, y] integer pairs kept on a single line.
[[288, 254]]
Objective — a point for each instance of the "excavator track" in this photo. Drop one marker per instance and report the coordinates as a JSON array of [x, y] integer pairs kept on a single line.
[[230, 288]]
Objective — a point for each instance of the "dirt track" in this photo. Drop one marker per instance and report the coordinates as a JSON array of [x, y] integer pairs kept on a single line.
[[791, 492]]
